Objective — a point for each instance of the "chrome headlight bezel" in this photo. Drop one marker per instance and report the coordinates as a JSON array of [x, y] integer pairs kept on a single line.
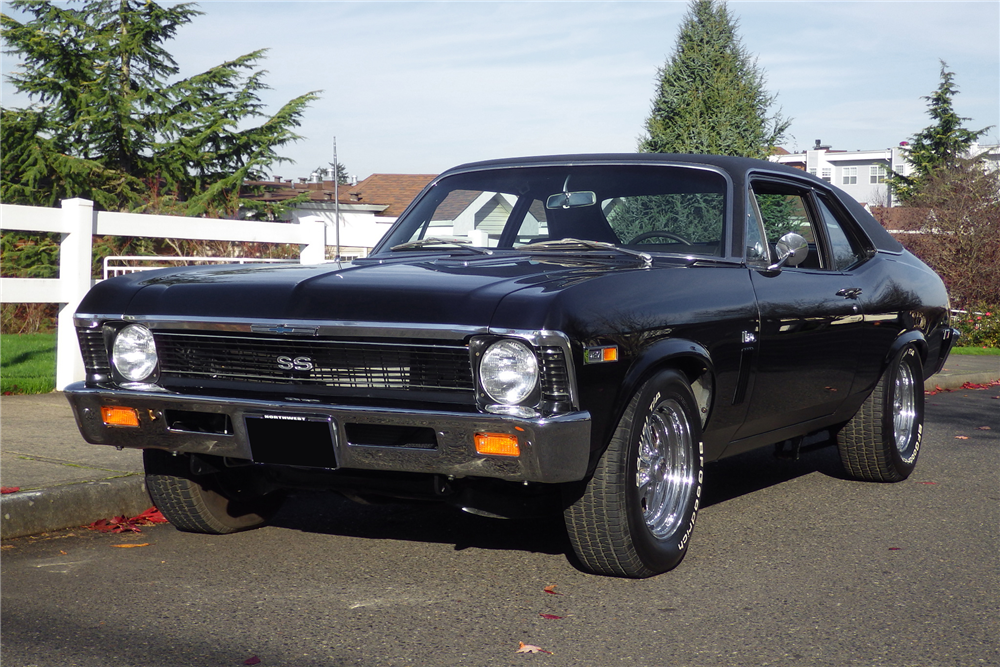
[[509, 373], [133, 355]]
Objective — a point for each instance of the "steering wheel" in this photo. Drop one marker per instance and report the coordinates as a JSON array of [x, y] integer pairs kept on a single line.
[[654, 234]]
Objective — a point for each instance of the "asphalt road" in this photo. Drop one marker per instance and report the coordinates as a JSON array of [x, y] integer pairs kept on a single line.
[[790, 565]]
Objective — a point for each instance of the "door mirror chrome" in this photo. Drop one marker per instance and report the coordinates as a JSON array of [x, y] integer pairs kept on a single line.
[[792, 250]]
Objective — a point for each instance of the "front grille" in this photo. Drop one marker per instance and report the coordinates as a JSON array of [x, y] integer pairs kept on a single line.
[[95, 355], [554, 376], [338, 364]]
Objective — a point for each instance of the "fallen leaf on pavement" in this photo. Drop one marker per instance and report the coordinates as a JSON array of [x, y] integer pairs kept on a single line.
[[152, 515], [252, 661], [985, 428], [130, 546], [551, 617], [9, 489], [961, 437], [551, 589], [122, 524], [895, 548], [530, 648]]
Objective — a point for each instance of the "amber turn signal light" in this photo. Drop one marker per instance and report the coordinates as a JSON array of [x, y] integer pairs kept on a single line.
[[497, 444], [114, 415]]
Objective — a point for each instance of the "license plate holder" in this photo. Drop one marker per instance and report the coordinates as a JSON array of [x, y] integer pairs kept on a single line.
[[292, 439]]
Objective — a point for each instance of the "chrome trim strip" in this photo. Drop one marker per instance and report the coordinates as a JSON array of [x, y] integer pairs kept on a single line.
[[324, 328]]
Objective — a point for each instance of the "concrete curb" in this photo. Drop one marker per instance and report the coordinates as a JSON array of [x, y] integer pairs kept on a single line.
[[71, 505], [955, 381]]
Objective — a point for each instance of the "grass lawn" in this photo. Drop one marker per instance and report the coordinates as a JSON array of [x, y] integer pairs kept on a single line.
[[27, 363], [988, 351]]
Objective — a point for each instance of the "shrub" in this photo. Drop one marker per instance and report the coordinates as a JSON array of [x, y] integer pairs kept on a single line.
[[980, 326]]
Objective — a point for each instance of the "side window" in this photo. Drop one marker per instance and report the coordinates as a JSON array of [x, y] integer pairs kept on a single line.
[[846, 249], [784, 207]]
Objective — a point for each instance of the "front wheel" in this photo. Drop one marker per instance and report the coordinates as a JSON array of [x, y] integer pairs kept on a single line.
[[226, 501], [882, 441], [635, 516]]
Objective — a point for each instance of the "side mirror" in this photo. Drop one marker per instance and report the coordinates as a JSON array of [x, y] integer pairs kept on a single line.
[[792, 250]]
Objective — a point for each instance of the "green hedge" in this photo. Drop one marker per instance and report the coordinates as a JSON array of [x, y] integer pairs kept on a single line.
[[980, 326]]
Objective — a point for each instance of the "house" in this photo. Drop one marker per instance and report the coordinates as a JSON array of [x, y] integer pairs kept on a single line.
[[366, 209], [862, 174]]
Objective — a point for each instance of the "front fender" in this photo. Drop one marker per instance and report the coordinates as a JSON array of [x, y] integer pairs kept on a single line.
[[691, 358]]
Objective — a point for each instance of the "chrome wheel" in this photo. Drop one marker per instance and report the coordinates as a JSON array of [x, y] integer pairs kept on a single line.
[[904, 411], [665, 468]]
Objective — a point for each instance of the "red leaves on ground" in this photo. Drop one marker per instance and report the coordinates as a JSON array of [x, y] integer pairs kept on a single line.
[[530, 648], [254, 660], [895, 548], [551, 589], [121, 524], [9, 489], [968, 385], [551, 617]]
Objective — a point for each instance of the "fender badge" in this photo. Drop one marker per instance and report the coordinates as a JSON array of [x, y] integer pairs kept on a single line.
[[600, 355]]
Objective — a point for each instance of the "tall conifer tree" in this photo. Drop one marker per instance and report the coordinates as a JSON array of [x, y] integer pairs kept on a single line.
[[939, 147], [711, 96], [114, 123]]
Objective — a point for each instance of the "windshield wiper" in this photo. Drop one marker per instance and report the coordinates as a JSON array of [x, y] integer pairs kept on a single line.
[[580, 244], [434, 241]]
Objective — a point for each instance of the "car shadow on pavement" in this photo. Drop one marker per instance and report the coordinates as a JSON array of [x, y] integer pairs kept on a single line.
[[330, 513], [761, 468]]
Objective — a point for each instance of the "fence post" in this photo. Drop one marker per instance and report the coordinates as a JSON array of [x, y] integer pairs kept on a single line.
[[75, 253], [313, 251]]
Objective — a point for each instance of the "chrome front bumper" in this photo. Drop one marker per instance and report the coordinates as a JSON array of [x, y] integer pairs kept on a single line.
[[554, 449]]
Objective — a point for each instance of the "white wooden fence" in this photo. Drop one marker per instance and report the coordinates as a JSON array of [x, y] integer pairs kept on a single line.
[[78, 223]]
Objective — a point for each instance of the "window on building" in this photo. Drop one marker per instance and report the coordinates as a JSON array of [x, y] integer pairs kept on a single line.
[[877, 173], [827, 174], [850, 175]]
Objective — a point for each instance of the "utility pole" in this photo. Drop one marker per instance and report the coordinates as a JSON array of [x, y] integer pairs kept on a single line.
[[336, 201]]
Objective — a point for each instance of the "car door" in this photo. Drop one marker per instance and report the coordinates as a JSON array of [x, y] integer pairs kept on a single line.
[[811, 315]]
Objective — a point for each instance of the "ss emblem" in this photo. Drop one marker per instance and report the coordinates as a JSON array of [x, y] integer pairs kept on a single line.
[[296, 364]]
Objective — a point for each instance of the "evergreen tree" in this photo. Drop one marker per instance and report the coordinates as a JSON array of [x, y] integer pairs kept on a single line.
[[710, 94], [112, 122], [939, 147]]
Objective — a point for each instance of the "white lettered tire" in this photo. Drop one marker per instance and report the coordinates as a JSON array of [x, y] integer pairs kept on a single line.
[[635, 516], [882, 441]]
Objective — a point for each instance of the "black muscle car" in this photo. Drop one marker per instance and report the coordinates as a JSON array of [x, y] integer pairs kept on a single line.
[[575, 333]]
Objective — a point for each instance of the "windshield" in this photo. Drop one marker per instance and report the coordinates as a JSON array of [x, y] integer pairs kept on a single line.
[[649, 208]]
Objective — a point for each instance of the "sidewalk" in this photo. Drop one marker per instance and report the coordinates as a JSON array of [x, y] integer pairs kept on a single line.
[[65, 482]]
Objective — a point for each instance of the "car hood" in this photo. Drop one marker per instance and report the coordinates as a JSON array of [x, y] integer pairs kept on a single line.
[[456, 290]]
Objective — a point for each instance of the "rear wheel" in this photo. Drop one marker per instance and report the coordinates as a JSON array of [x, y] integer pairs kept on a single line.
[[635, 516], [226, 501], [882, 441]]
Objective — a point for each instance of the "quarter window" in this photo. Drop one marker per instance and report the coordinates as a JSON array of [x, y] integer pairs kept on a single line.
[[846, 249], [876, 173], [850, 175]]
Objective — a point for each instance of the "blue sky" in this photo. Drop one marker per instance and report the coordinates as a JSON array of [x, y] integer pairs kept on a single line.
[[417, 87]]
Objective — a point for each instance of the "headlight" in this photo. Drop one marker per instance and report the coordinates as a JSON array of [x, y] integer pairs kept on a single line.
[[508, 372], [134, 353]]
